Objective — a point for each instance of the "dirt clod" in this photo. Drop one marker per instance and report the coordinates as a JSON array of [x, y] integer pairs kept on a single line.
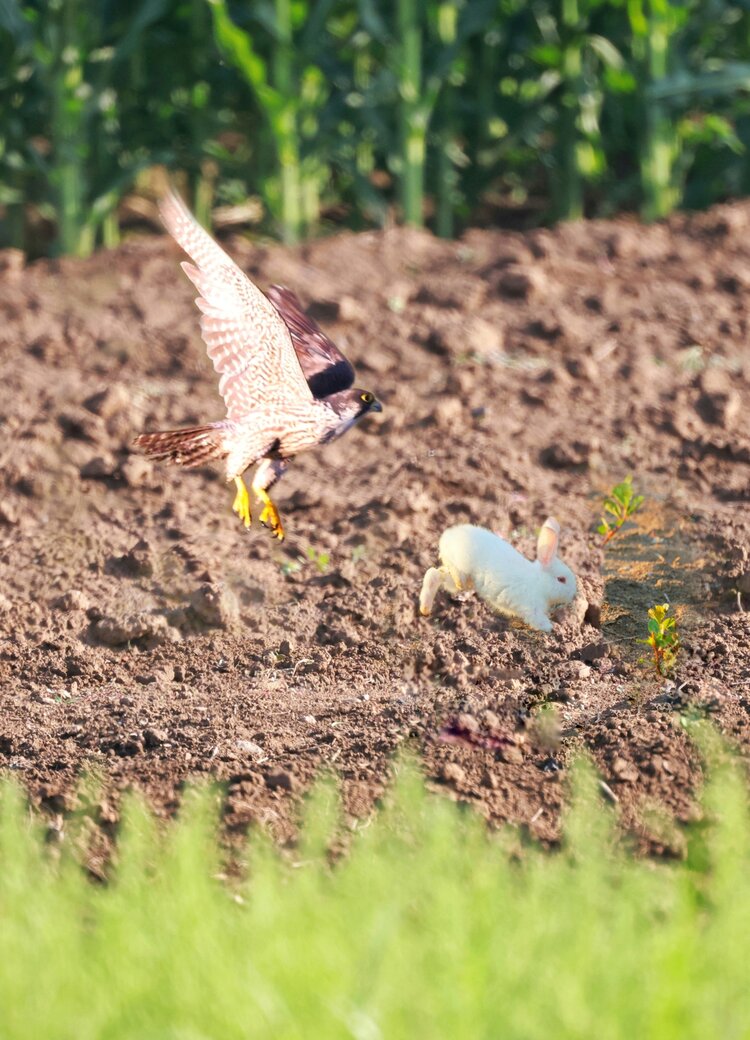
[[8, 513], [511, 754], [215, 604], [454, 774], [624, 771], [116, 631], [137, 472], [154, 738], [72, 600], [280, 781], [100, 467], [110, 401]]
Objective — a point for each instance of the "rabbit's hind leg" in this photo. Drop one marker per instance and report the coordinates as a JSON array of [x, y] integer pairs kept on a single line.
[[435, 579]]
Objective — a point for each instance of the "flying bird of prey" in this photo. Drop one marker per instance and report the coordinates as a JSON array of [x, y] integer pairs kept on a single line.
[[287, 388]]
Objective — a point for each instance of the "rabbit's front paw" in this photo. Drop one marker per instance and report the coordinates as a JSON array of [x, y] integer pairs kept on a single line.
[[539, 621]]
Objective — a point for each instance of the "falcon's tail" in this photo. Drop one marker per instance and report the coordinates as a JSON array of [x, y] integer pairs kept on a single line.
[[193, 446]]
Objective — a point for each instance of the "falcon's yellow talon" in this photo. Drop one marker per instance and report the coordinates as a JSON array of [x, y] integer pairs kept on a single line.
[[241, 504], [270, 516]]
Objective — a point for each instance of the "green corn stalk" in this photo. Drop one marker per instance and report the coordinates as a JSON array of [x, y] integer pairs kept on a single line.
[[493, 114], [61, 67], [430, 69], [365, 148], [574, 58], [204, 177], [73, 67], [422, 52], [357, 126], [288, 135], [18, 122], [654, 24], [570, 205], [67, 89], [447, 187], [699, 93], [450, 155], [11, 195], [413, 113], [176, 99], [289, 93], [482, 85]]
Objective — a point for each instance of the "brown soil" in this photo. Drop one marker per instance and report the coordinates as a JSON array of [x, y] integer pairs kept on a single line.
[[146, 636]]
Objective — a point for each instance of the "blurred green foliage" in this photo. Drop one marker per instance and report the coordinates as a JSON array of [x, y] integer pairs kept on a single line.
[[441, 112], [429, 926]]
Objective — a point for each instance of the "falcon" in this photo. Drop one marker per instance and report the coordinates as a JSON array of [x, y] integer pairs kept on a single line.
[[286, 387]]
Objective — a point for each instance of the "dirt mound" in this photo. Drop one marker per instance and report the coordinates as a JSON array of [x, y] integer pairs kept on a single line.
[[146, 636]]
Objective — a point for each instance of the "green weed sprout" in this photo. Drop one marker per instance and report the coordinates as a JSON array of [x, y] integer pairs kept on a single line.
[[621, 504], [359, 552], [320, 559], [663, 639]]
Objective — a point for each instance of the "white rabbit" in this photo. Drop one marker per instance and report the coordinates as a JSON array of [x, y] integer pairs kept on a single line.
[[475, 558]]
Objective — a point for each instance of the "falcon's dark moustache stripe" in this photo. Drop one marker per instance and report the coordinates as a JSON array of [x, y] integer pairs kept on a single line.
[[190, 447]]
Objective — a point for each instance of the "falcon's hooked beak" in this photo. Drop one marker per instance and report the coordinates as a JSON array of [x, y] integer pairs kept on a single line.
[[376, 406]]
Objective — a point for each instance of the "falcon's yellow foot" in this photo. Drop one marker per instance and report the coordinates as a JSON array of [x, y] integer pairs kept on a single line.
[[270, 516], [241, 505]]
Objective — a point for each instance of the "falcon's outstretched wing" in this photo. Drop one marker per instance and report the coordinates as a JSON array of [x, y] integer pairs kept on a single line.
[[325, 368], [248, 342]]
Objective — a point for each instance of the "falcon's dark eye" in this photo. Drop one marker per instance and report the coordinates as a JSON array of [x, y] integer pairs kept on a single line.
[[367, 397], [563, 581]]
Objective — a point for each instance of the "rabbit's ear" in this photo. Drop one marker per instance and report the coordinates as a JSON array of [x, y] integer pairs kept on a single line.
[[546, 546]]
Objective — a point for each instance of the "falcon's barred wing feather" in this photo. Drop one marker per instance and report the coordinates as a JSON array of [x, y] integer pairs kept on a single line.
[[249, 344], [326, 369]]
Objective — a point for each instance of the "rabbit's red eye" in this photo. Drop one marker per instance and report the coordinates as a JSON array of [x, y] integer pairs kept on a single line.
[[562, 580]]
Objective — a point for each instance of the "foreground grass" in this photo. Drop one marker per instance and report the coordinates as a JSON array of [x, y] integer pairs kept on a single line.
[[429, 927]]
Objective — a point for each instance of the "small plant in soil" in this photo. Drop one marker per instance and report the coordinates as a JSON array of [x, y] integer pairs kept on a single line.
[[359, 552], [292, 566], [663, 638], [621, 504], [320, 559]]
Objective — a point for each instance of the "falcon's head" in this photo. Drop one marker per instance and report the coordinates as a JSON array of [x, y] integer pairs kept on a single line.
[[350, 406]]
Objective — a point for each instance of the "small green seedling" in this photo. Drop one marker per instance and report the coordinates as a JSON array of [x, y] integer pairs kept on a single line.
[[358, 553], [621, 504], [663, 639], [320, 559], [290, 567]]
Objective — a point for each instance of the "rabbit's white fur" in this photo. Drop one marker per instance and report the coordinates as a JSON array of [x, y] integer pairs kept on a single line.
[[475, 558]]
